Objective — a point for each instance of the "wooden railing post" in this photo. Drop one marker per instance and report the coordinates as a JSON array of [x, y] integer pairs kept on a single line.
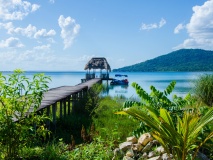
[[64, 102], [54, 106], [61, 104], [74, 99], [85, 92], [69, 98], [48, 114]]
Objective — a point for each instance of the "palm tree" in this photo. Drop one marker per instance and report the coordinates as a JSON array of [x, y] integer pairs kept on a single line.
[[179, 139]]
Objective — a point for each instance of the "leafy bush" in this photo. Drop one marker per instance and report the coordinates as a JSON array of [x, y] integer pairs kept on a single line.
[[18, 96]]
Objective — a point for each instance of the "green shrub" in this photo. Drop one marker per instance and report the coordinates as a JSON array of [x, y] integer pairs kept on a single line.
[[18, 95], [203, 89]]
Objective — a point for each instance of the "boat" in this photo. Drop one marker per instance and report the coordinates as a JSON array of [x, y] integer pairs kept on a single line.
[[121, 80]]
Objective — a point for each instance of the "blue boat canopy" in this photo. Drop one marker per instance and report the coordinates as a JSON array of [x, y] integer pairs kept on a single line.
[[121, 75]]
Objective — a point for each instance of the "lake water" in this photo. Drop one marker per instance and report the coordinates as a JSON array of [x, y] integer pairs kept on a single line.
[[184, 81]]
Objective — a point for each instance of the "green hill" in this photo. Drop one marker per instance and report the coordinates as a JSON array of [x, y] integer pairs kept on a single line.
[[180, 60]]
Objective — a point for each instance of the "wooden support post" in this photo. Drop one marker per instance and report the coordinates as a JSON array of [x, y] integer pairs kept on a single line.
[[74, 98], [48, 114], [69, 98], [64, 101], [85, 92], [80, 95], [61, 104], [54, 106]]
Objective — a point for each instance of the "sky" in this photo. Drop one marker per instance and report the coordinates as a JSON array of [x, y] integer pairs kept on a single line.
[[63, 35]]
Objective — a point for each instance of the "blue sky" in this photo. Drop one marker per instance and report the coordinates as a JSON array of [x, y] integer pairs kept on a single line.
[[63, 35]]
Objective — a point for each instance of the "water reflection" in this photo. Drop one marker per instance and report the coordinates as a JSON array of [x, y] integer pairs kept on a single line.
[[119, 88], [116, 90]]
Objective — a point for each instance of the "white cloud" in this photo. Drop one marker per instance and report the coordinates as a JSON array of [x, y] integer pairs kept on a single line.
[[178, 28], [28, 59], [29, 31], [85, 58], [16, 9], [44, 33], [148, 26], [52, 1], [6, 26], [162, 23], [69, 30], [200, 28], [153, 25], [42, 47], [41, 58], [11, 43]]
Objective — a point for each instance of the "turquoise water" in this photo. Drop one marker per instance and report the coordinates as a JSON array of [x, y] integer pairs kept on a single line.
[[184, 82], [145, 79]]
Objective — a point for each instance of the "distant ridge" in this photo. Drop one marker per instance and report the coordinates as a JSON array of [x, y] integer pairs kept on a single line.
[[180, 60]]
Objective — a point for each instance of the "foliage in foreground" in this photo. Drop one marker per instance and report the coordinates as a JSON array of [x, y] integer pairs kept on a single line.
[[165, 120], [110, 129], [184, 133], [99, 149], [18, 95]]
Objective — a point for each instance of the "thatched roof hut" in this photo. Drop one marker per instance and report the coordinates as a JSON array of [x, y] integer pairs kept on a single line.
[[98, 63]]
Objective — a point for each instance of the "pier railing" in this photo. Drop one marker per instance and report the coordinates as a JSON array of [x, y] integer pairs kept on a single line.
[[64, 98]]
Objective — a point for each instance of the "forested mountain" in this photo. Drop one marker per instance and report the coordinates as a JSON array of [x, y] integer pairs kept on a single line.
[[180, 60]]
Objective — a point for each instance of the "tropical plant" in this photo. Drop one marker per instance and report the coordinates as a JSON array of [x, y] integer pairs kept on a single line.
[[19, 99], [203, 88], [159, 99], [179, 139]]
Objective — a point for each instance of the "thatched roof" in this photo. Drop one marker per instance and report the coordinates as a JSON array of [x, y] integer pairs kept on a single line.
[[98, 63]]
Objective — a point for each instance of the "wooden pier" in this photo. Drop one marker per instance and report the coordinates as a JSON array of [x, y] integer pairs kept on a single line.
[[63, 97], [66, 98]]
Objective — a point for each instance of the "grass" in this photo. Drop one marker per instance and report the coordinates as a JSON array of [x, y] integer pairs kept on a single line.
[[112, 126], [110, 130]]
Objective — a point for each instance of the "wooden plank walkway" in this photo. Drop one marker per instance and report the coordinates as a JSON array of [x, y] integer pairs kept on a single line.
[[56, 94], [60, 94]]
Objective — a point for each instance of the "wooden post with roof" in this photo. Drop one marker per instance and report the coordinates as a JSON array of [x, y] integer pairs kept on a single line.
[[97, 63]]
